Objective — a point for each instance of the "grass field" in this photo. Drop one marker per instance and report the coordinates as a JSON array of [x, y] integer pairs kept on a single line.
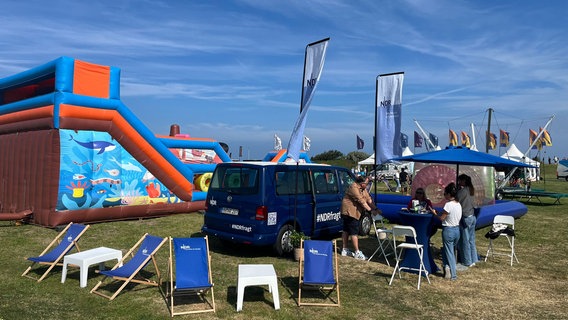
[[537, 287]]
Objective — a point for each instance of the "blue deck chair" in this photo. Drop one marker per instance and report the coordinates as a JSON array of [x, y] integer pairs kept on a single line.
[[129, 271], [319, 270], [190, 273], [65, 241]]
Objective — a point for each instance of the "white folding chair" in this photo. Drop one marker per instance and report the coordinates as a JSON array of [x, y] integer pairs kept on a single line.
[[509, 234], [386, 242], [411, 242]]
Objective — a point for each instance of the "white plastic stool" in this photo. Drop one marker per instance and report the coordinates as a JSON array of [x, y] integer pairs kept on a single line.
[[256, 275]]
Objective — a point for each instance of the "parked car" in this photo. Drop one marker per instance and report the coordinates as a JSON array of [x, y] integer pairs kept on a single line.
[[385, 170], [260, 203], [562, 170]]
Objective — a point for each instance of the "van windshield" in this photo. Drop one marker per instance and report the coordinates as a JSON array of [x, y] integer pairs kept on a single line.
[[237, 180]]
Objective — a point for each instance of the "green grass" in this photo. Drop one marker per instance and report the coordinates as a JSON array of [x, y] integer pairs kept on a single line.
[[535, 288]]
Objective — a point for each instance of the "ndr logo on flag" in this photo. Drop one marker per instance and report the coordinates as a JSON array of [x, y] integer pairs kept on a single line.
[[312, 82], [385, 103]]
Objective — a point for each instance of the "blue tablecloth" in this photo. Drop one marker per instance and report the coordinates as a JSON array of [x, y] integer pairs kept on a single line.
[[424, 226]]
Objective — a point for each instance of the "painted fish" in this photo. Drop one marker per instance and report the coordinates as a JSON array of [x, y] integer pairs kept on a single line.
[[126, 166], [78, 176], [102, 146], [113, 172]]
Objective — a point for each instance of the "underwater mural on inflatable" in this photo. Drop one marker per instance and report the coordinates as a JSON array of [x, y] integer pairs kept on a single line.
[[96, 172]]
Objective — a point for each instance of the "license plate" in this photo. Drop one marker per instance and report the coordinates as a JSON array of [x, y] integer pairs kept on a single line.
[[231, 211]]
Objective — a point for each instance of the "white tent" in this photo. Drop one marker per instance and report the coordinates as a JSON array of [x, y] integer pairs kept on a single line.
[[369, 161], [513, 153]]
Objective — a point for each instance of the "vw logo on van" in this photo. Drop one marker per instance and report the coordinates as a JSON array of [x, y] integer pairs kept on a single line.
[[229, 198]]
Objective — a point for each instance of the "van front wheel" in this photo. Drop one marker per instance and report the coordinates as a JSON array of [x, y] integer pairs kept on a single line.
[[283, 245], [365, 224]]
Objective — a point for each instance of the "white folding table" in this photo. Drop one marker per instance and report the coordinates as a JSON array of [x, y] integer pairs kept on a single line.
[[256, 275], [86, 258]]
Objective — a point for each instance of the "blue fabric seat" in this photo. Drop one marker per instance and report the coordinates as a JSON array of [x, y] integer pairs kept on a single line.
[[127, 272], [190, 273], [51, 256], [319, 271]]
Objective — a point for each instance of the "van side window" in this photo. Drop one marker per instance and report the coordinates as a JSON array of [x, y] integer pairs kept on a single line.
[[346, 179], [286, 182], [325, 182]]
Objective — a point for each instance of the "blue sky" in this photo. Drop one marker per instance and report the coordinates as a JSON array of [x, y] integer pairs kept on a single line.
[[232, 70]]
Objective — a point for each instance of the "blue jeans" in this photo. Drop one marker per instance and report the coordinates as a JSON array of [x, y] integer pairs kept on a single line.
[[450, 238], [467, 249]]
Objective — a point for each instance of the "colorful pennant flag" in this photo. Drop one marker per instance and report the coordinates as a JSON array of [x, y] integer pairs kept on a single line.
[[453, 137], [466, 142], [491, 140], [545, 138], [532, 136], [503, 138]]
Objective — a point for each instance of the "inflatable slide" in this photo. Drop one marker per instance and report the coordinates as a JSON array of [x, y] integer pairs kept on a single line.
[[72, 151]]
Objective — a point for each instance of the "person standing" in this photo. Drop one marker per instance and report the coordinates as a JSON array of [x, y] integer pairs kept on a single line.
[[467, 252], [397, 179], [404, 179], [355, 202], [450, 216]]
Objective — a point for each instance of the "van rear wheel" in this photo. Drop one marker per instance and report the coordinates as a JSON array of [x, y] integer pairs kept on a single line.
[[283, 245]]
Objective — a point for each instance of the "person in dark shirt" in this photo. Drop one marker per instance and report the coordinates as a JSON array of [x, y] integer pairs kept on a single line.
[[404, 181]]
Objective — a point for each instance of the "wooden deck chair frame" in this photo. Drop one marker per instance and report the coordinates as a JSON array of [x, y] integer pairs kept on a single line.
[[53, 245], [326, 290], [200, 292], [134, 277]]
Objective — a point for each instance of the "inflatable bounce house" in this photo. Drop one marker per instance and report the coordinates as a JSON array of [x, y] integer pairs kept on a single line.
[[434, 177], [282, 156], [71, 151]]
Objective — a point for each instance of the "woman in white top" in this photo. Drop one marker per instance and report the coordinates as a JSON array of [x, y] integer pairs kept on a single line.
[[450, 216]]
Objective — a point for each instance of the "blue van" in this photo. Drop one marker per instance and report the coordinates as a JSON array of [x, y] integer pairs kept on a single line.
[[260, 203]]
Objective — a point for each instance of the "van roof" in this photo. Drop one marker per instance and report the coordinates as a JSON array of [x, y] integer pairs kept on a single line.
[[270, 163]]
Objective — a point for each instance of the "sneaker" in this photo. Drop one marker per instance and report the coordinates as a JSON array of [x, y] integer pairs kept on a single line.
[[447, 272], [360, 256], [461, 267], [471, 265], [346, 252]]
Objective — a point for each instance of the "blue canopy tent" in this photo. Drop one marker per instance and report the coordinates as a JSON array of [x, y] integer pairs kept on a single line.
[[460, 155], [465, 156], [390, 204]]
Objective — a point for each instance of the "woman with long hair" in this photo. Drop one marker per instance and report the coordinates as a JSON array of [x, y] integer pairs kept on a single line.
[[450, 216], [467, 253]]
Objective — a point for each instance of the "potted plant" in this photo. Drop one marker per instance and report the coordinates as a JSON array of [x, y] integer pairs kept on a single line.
[[296, 238]]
